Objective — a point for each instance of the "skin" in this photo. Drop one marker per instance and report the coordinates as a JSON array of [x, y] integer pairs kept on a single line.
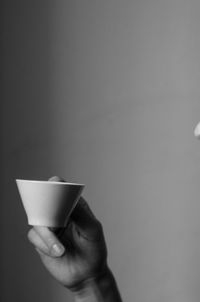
[[76, 256]]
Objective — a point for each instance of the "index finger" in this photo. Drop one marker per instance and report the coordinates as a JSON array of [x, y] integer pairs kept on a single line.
[[86, 221]]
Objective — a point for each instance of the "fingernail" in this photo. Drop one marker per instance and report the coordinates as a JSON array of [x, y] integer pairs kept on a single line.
[[58, 249]]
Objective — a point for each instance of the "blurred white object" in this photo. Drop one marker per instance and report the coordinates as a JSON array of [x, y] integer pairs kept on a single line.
[[197, 131]]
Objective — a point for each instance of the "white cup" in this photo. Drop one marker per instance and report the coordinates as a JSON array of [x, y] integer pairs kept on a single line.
[[48, 203]]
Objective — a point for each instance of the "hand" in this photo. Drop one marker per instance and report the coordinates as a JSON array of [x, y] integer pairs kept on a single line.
[[76, 253]]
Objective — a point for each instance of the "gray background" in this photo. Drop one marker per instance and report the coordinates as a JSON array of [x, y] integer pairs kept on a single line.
[[106, 93]]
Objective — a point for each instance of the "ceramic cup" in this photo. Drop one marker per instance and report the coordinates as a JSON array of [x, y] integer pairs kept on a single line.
[[48, 203]]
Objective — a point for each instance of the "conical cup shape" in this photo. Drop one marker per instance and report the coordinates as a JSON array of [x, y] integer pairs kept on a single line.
[[48, 203]]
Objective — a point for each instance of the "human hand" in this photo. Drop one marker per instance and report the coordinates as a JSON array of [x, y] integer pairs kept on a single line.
[[73, 254]]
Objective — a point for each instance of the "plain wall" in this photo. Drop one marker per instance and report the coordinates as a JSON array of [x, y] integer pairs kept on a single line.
[[106, 93]]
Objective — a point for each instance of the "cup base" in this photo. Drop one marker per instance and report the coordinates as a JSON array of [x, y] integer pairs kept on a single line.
[[49, 224]]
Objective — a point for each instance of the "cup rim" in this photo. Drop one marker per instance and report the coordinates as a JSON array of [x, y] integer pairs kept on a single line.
[[50, 182]]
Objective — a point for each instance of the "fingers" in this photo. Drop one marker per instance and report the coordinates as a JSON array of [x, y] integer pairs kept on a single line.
[[85, 220], [82, 210], [46, 241]]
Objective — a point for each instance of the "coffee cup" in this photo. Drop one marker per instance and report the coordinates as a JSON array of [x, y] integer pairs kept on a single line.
[[48, 203]]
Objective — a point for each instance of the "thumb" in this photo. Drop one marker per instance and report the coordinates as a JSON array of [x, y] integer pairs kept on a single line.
[[53, 245]]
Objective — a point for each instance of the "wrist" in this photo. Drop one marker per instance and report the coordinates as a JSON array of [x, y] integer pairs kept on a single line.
[[97, 288], [95, 279]]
